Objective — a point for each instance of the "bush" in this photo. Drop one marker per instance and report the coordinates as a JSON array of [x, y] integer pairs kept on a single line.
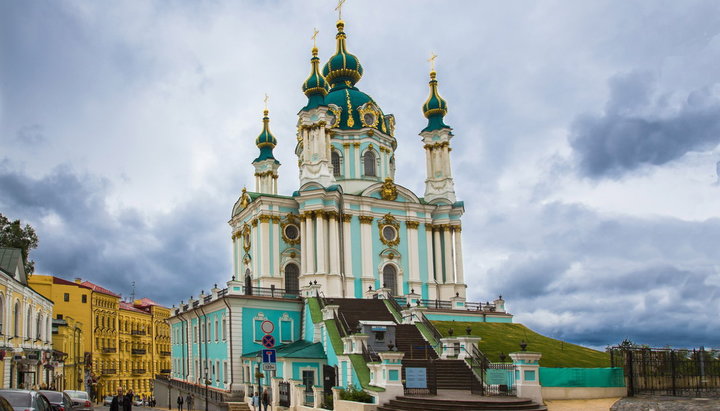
[[351, 393]]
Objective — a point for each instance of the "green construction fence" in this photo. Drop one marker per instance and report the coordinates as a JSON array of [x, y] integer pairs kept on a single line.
[[582, 377]]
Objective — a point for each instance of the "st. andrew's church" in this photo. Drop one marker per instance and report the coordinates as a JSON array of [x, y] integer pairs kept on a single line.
[[346, 274]]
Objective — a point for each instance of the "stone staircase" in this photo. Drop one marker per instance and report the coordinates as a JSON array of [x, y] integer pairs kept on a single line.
[[409, 340], [447, 402], [237, 406]]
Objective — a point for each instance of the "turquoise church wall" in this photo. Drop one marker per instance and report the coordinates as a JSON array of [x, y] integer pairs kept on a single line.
[[251, 328], [478, 318]]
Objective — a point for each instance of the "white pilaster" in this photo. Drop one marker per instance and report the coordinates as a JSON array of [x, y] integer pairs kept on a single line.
[[321, 243], [459, 273], [449, 260], [438, 256], [347, 240], [413, 255], [265, 239], [346, 160], [310, 234], [432, 291], [303, 245], [334, 244], [276, 246]]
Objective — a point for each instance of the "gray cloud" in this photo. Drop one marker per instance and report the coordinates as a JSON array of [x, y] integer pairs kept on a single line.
[[170, 256], [641, 128]]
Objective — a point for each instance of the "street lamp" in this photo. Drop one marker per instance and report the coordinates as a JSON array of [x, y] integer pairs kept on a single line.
[[207, 380], [259, 373]]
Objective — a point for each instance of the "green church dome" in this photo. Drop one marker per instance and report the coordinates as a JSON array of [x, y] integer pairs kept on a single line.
[[435, 107], [315, 87], [343, 67], [266, 142]]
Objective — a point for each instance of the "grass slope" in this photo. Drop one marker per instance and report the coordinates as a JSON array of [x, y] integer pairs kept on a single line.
[[506, 337]]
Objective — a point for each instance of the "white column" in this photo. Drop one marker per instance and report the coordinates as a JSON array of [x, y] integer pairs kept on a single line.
[[265, 244], [413, 257], [437, 250], [366, 249], [428, 161], [346, 160], [310, 234], [358, 159], [303, 245], [429, 245], [459, 275], [449, 260], [253, 251], [321, 243], [276, 245], [334, 244], [347, 243]]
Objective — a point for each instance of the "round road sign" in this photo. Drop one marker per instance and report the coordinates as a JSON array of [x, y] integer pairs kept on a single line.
[[268, 341], [267, 327]]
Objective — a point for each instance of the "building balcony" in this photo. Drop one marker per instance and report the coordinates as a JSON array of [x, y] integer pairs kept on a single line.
[[165, 353], [138, 371], [137, 332], [165, 371], [109, 350], [138, 351], [109, 371]]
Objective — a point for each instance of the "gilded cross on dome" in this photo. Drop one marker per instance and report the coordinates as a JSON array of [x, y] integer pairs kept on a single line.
[[314, 37], [432, 58], [339, 8], [266, 100]]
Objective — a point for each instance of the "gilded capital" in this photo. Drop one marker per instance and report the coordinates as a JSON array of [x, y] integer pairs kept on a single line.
[[347, 218], [365, 219], [412, 224]]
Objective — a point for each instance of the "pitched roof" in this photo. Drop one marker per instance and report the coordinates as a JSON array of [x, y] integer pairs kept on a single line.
[[145, 302], [130, 307], [9, 259], [297, 349], [99, 289], [58, 280]]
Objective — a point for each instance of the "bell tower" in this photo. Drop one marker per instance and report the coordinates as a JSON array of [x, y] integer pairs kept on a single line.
[[266, 166]]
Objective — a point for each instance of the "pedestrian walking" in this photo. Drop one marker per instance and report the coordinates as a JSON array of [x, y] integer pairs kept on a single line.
[[128, 401], [116, 403], [188, 402], [180, 402], [256, 401], [265, 399]]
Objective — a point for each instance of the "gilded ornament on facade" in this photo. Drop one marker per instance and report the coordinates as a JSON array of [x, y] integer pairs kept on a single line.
[[244, 198], [290, 230], [246, 237], [369, 114], [365, 219], [388, 190], [350, 121], [412, 224], [389, 228], [336, 111]]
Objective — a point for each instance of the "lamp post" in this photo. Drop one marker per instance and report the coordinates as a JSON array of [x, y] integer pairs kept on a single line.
[[259, 373], [206, 387]]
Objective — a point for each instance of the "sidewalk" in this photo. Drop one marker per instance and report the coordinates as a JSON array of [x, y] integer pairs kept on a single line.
[[601, 404]]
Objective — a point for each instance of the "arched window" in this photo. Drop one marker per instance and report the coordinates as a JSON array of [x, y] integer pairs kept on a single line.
[[369, 163], [28, 324], [38, 327], [392, 167], [335, 160], [248, 282], [390, 278], [292, 279]]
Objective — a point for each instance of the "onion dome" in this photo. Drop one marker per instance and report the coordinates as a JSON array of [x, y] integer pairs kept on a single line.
[[343, 68], [435, 107], [315, 87], [266, 142]]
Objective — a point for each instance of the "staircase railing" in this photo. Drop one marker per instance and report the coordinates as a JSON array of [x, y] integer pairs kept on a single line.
[[431, 328], [395, 306]]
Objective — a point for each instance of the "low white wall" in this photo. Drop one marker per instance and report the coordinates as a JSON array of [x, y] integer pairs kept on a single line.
[[354, 406], [582, 393]]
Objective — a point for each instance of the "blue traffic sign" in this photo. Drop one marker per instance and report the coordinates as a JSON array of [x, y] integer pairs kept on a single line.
[[268, 341], [268, 356]]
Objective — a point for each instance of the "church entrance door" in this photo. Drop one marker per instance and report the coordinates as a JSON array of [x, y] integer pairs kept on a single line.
[[390, 278]]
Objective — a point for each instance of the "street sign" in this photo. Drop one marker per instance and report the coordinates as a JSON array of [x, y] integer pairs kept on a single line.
[[267, 327], [268, 355], [268, 341], [269, 366]]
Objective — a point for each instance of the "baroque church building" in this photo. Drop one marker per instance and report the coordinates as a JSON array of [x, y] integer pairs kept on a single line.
[[349, 226], [338, 283]]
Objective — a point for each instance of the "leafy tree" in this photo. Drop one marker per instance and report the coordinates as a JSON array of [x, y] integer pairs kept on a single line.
[[13, 234]]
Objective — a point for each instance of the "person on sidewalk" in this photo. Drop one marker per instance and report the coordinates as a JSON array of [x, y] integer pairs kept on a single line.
[[188, 403], [265, 400], [128, 401], [180, 402], [256, 401]]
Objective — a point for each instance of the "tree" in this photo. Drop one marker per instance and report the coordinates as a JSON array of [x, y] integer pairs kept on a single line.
[[14, 235]]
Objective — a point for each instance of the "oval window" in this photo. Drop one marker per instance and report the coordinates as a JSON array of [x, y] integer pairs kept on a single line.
[[292, 232], [389, 233]]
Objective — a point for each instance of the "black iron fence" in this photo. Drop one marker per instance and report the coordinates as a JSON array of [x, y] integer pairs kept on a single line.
[[271, 292], [665, 371], [284, 394]]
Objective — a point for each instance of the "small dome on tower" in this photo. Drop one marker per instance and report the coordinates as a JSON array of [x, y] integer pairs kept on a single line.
[[315, 87], [435, 107], [266, 142], [343, 68]]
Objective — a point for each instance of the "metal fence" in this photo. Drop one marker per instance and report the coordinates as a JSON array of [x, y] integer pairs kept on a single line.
[[665, 371]]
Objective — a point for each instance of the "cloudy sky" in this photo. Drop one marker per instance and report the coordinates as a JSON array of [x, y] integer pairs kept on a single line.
[[585, 149]]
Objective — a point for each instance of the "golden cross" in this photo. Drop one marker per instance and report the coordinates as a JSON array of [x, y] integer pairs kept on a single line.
[[339, 8], [266, 100], [314, 36], [432, 58]]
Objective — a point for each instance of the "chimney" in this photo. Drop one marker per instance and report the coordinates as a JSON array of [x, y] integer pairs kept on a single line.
[[78, 280]]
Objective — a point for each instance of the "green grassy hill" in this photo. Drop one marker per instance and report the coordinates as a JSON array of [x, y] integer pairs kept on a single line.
[[506, 337]]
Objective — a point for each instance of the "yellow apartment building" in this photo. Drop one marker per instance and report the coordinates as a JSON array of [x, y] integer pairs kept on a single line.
[[69, 343], [124, 344]]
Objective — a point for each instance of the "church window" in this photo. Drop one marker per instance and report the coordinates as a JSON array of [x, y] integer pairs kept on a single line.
[[16, 323], [335, 160], [369, 163], [389, 233], [292, 279], [292, 232], [390, 278]]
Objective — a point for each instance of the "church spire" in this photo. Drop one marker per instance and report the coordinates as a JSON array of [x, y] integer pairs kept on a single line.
[[439, 185], [342, 69], [315, 87], [435, 107], [266, 165]]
